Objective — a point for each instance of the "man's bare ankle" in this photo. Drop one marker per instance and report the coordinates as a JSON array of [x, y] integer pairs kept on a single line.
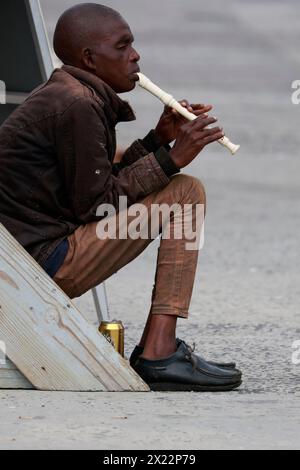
[[154, 354]]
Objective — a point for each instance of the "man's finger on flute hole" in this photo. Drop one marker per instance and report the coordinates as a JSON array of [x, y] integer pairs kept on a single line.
[[213, 138], [184, 103], [200, 106], [205, 109], [200, 113], [193, 107], [169, 111], [211, 131], [201, 122]]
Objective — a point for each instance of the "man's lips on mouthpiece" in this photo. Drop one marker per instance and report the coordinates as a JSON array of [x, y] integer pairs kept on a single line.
[[135, 74]]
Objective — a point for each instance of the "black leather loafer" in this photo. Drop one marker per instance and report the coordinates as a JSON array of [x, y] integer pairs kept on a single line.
[[185, 371], [138, 350]]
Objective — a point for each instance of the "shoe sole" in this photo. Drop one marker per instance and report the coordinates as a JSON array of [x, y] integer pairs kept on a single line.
[[178, 387], [227, 367]]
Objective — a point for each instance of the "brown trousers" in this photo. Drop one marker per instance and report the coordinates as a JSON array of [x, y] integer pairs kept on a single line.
[[91, 260]]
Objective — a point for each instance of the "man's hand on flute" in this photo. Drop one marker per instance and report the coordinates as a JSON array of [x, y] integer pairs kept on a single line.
[[170, 121], [191, 136]]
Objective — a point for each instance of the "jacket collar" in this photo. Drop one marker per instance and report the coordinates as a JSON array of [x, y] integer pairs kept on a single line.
[[117, 109]]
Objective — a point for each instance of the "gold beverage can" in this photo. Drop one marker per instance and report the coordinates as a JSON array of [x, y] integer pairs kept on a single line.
[[114, 333]]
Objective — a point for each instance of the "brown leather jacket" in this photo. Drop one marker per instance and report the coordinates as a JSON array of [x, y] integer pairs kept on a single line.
[[56, 160]]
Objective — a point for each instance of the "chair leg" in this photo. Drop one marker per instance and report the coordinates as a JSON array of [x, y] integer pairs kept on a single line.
[[101, 303]]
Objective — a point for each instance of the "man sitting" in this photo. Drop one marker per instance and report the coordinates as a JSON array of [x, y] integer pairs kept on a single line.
[[57, 159]]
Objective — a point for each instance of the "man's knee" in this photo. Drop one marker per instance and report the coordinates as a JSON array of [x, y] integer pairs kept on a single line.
[[192, 188]]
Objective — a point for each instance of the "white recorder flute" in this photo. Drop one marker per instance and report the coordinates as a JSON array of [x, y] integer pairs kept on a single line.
[[169, 100]]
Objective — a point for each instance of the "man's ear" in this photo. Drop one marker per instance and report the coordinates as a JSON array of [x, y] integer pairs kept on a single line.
[[87, 58]]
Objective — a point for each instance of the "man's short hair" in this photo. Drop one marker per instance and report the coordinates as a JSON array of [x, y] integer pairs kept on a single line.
[[76, 26]]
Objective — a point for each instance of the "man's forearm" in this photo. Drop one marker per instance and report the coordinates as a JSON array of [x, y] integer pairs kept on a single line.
[[142, 147]]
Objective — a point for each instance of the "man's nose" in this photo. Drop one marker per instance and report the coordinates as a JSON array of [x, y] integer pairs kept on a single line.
[[135, 56]]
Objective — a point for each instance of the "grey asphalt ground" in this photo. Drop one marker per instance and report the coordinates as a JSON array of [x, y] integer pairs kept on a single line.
[[241, 56]]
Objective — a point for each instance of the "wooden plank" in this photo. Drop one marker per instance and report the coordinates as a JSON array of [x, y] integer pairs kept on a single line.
[[11, 377], [8, 365], [47, 337]]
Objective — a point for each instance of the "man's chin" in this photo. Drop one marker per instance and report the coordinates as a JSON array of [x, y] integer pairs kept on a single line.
[[130, 87], [134, 83]]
